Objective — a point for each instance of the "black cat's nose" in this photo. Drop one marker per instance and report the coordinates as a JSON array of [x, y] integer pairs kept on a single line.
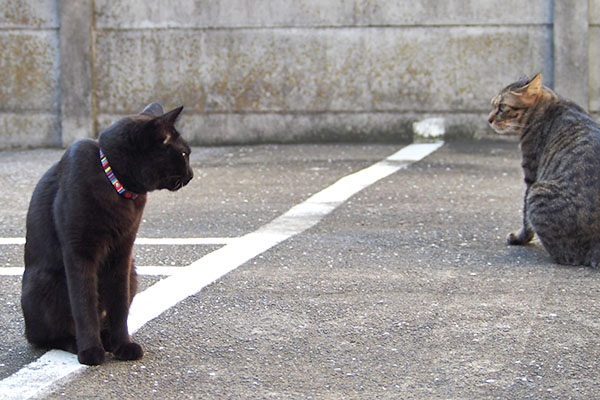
[[188, 177]]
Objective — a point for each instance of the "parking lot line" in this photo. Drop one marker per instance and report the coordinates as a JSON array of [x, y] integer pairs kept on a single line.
[[38, 376], [184, 241], [12, 240]]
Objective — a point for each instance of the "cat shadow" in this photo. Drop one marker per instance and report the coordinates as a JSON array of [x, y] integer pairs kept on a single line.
[[533, 255], [528, 254]]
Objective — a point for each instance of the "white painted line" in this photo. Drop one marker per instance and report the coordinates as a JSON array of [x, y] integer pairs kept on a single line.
[[168, 292], [149, 304], [158, 270], [7, 241], [145, 271], [415, 152], [49, 368], [150, 241], [184, 241], [11, 271]]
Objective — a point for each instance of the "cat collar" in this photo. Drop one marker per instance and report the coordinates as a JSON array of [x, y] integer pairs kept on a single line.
[[113, 179]]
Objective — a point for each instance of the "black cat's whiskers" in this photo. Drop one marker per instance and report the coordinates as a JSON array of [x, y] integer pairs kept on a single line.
[[177, 180]]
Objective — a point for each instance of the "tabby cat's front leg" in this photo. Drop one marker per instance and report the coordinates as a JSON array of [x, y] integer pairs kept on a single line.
[[526, 233]]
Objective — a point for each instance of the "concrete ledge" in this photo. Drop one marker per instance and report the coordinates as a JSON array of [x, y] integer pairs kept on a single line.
[[226, 129], [28, 130]]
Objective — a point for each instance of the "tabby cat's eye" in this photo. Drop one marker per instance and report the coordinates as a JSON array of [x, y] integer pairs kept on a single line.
[[502, 107]]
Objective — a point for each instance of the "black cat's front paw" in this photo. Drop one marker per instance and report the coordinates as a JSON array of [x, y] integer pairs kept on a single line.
[[519, 239], [91, 356], [129, 351]]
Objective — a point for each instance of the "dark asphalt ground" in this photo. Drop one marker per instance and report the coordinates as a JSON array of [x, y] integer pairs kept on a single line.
[[406, 291]]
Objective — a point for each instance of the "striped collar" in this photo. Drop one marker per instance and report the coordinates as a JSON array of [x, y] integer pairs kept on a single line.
[[113, 179]]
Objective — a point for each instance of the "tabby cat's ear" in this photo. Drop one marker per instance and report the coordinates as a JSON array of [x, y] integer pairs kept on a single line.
[[528, 93], [153, 110], [535, 85]]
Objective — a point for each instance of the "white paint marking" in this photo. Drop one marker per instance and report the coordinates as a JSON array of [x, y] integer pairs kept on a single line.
[[7, 241], [184, 241], [430, 128], [415, 152], [36, 377], [11, 271], [149, 304], [158, 270], [150, 241]]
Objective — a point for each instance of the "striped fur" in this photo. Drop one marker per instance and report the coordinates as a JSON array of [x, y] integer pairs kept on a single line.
[[560, 148]]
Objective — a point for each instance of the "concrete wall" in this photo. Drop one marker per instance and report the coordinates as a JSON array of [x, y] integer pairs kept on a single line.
[[279, 71], [594, 58], [29, 74]]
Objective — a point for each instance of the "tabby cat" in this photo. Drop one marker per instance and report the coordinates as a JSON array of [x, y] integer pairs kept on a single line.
[[560, 148], [83, 217]]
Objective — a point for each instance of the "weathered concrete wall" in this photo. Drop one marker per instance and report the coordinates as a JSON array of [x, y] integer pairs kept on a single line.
[[29, 74], [275, 70], [594, 58], [313, 69]]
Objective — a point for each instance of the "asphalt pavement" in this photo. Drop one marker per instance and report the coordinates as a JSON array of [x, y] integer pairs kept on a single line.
[[405, 291]]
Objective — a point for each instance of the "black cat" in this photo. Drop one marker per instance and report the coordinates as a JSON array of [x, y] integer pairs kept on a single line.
[[82, 221]]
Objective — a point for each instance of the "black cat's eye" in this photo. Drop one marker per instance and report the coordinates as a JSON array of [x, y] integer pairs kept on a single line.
[[184, 154]]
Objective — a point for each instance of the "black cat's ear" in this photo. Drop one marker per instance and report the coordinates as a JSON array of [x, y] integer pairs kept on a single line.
[[153, 110], [168, 121], [170, 117]]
